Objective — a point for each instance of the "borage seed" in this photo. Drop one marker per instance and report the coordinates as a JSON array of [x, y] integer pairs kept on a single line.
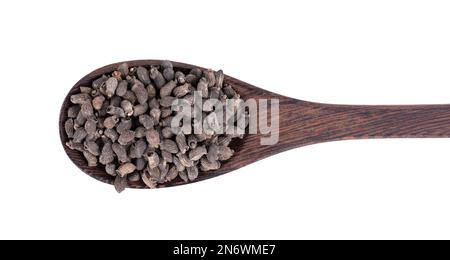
[[126, 137], [125, 169], [68, 126], [124, 122], [169, 146], [143, 75]]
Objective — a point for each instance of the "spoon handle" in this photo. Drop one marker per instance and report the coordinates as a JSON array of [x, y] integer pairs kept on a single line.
[[305, 123]]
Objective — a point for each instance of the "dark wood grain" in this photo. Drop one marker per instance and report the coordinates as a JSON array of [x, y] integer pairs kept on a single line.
[[301, 123]]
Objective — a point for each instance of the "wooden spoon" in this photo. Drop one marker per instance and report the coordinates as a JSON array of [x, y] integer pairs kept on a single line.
[[301, 123]]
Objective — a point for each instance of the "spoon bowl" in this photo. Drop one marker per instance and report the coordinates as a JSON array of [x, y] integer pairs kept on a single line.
[[300, 123], [245, 90]]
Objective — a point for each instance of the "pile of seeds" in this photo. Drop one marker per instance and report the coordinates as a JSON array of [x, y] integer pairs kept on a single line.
[[123, 122]]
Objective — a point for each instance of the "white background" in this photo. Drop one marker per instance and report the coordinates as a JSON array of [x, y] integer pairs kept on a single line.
[[347, 52]]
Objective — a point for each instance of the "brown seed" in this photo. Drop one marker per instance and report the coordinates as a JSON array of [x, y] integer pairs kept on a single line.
[[97, 102], [117, 111], [84, 89], [121, 152], [180, 167], [132, 72], [189, 98], [181, 142], [110, 122], [75, 146], [68, 127], [203, 137], [153, 103], [191, 78], [202, 86], [219, 78], [210, 77], [127, 106], [206, 165], [169, 145], [92, 147], [154, 173], [229, 91], [163, 169], [151, 91], [120, 183], [184, 160], [72, 111], [115, 101], [140, 132], [126, 137], [111, 134], [125, 124], [224, 140], [192, 141], [197, 153], [213, 153], [166, 121], [80, 98], [135, 176], [116, 74], [192, 173], [132, 152], [123, 69], [213, 125], [182, 90], [169, 73], [94, 137], [165, 112], [153, 159], [140, 109], [90, 158], [155, 113], [224, 153], [150, 182], [157, 77], [167, 101], [143, 75], [197, 72], [100, 121], [110, 169], [166, 90], [166, 132], [107, 154], [87, 110], [96, 84], [152, 137], [122, 88], [146, 121], [166, 156], [140, 91], [130, 96], [140, 147], [141, 163], [183, 176], [79, 135], [102, 112], [110, 86], [172, 174], [214, 93], [90, 126], [166, 64], [125, 169], [95, 92], [179, 77]]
